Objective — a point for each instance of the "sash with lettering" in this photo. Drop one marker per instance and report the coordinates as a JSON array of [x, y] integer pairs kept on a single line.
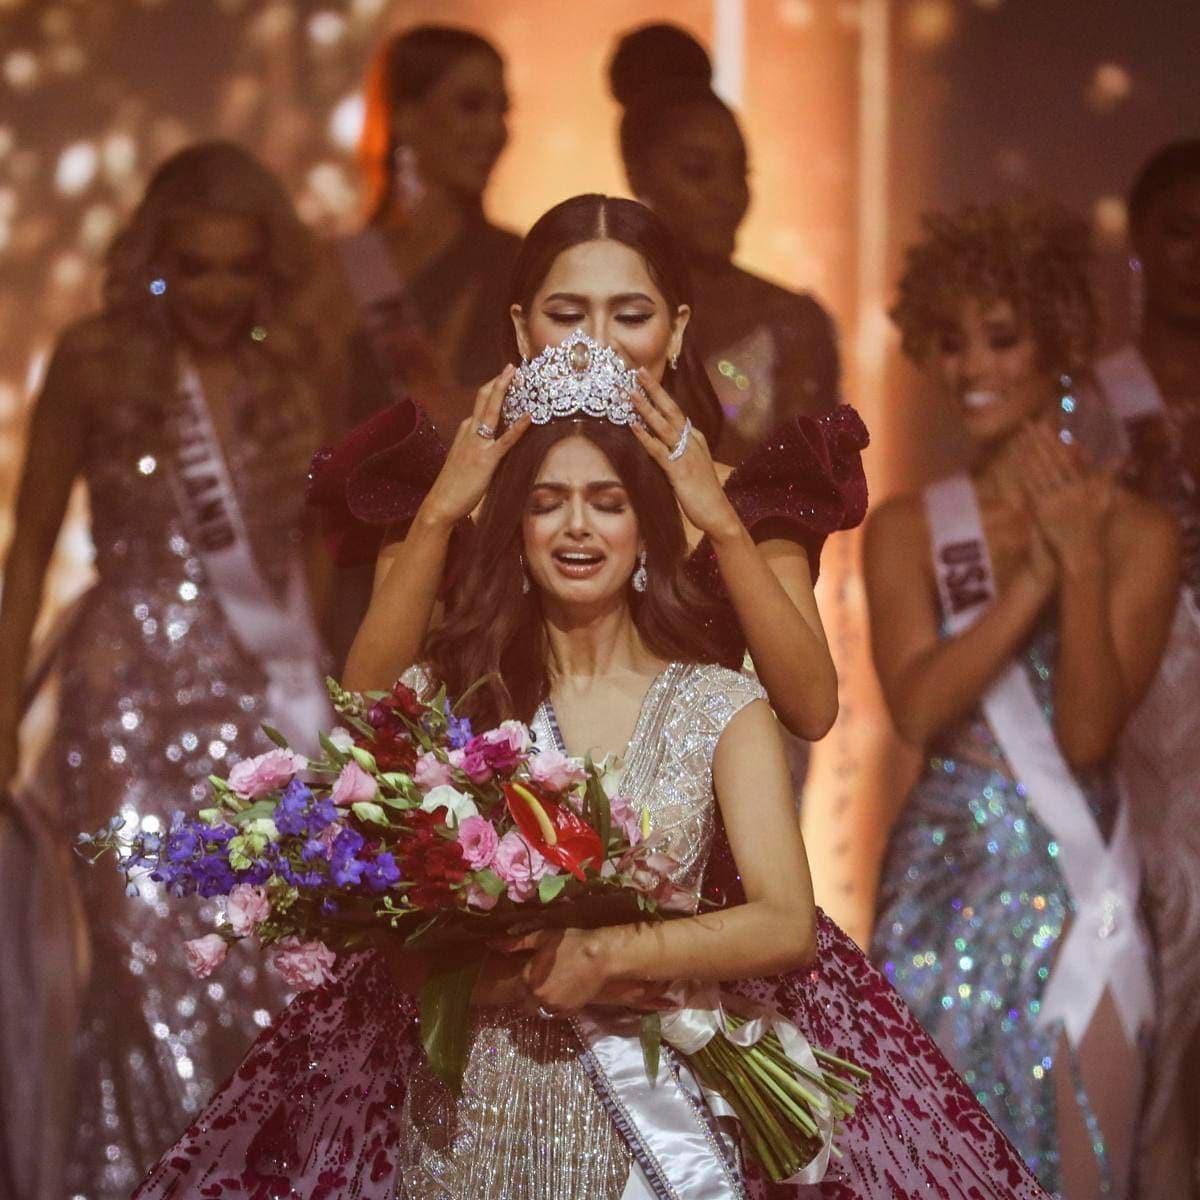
[[1132, 395], [1105, 946], [279, 633]]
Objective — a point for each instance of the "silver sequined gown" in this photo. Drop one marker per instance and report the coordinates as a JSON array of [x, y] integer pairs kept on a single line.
[[529, 1125], [157, 694], [970, 919]]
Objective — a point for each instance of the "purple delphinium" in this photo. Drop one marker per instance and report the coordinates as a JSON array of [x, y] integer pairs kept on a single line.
[[458, 729], [381, 872]]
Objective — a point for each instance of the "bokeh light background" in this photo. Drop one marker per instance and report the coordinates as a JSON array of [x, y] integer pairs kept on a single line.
[[859, 114]]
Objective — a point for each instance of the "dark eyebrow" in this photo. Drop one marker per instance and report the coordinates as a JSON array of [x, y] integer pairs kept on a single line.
[[599, 485], [623, 298]]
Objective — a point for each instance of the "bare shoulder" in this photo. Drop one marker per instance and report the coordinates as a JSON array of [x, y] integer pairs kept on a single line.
[[1141, 530], [898, 521], [83, 364]]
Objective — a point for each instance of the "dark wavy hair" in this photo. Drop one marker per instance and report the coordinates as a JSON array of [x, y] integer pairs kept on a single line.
[[493, 631], [593, 217], [403, 70]]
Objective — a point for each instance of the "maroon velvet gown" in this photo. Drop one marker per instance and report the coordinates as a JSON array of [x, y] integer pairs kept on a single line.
[[314, 1109]]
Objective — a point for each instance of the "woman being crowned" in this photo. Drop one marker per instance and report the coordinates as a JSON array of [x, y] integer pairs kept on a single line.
[[574, 605]]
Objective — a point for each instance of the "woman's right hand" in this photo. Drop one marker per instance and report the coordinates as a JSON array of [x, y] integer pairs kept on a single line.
[[473, 458]]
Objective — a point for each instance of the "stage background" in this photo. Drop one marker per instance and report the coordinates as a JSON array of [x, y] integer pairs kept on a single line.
[[859, 113]]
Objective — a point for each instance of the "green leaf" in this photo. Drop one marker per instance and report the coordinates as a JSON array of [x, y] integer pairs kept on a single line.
[[336, 756], [598, 807], [549, 887], [651, 1039], [490, 882], [275, 736], [219, 784], [260, 808], [365, 810], [211, 816], [446, 1019], [364, 758]]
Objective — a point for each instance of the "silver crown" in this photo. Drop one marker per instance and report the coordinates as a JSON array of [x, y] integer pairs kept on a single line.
[[576, 376]]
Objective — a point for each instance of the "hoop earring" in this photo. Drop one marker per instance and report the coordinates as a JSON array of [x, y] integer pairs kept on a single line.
[[640, 579]]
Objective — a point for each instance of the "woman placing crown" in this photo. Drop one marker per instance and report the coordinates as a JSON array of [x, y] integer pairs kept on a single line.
[[575, 607]]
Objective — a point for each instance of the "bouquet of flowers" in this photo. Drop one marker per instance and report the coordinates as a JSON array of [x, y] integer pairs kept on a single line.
[[413, 826]]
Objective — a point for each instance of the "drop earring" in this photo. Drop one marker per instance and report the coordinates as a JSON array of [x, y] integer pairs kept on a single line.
[[526, 586], [639, 576]]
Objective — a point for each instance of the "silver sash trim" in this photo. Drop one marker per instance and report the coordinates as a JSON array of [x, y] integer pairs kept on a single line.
[[669, 1122], [1106, 945], [1132, 393], [280, 635]]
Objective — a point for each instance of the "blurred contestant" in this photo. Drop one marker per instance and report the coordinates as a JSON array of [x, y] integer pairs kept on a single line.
[[1018, 614], [188, 407], [1152, 388], [771, 353]]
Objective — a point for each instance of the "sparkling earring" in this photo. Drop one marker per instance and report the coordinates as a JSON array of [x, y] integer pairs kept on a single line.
[[639, 576], [674, 362], [526, 586], [406, 179], [1066, 408], [1137, 293]]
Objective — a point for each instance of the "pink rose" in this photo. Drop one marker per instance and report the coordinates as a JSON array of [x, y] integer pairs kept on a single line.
[[503, 748], [353, 786], [431, 772], [478, 840], [478, 898], [205, 954], [652, 875], [555, 771], [247, 907], [472, 761], [304, 965], [625, 817], [254, 777], [519, 865]]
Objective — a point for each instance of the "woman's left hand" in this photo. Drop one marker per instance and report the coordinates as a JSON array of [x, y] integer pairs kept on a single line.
[[692, 474], [1071, 501], [564, 972]]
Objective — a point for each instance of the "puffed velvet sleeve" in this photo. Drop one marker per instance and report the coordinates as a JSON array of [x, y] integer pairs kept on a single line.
[[375, 478]]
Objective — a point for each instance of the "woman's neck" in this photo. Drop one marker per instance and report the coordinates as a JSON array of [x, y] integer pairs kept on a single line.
[[999, 474], [588, 648]]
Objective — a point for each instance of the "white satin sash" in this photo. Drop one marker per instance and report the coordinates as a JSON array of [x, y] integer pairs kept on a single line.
[[1106, 946], [280, 635], [670, 1122], [1132, 394]]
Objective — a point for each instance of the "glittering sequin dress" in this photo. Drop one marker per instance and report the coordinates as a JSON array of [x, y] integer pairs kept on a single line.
[[501, 1140], [971, 917], [157, 693]]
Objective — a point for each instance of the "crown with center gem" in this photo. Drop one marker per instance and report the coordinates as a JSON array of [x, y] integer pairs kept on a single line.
[[576, 376]]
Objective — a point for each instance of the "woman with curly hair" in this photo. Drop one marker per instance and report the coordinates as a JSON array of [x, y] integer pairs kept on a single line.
[[188, 407], [1019, 612]]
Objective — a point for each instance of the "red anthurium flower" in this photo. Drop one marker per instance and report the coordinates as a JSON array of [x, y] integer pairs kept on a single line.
[[557, 833]]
